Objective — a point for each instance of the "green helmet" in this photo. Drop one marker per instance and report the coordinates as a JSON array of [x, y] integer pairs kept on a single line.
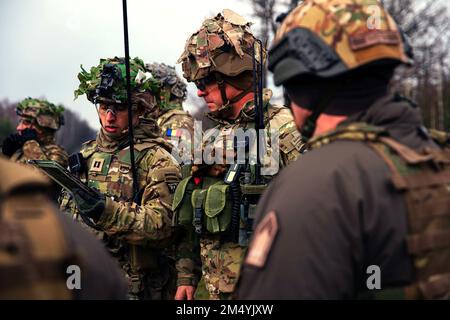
[[107, 82], [173, 88], [45, 114]]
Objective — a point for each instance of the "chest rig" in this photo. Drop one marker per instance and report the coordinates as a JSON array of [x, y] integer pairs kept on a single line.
[[146, 267], [423, 178], [220, 202]]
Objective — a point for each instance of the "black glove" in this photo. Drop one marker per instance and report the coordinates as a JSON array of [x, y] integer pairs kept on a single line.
[[15, 141], [89, 205]]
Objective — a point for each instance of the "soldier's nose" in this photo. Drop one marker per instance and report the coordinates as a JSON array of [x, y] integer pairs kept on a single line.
[[20, 127], [110, 116], [201, 93]]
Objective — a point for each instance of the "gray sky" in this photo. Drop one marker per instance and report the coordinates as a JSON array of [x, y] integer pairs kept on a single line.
[[45, 41]]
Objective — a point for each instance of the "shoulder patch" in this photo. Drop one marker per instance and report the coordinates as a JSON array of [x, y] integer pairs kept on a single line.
[[262, 241]]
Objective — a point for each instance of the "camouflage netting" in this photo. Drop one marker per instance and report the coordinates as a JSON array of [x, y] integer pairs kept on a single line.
[[46, 114], [223, 44], [141, 81], [173, 88]]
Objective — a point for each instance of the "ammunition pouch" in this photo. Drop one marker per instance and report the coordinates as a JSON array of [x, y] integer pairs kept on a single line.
[[207, 208]]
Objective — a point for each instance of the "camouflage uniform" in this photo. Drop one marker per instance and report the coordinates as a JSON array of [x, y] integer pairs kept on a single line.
[[169, 113], [38, 244], [220, 256], [373, 185], [136, 229], [47, 117]]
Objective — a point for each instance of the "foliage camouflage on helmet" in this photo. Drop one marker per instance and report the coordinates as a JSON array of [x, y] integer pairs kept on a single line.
[[141, 80], [173, 88], [223, 44], [357, 32], [45, 113]]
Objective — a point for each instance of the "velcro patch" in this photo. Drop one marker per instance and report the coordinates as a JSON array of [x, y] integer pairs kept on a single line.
[[97, 165], [373, 37], [262, 241]]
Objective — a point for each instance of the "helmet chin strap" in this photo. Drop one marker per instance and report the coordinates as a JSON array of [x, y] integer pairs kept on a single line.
[[228, 103]]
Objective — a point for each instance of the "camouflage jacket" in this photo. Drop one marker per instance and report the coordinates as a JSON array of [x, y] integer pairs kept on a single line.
[[135, 232], [33, 150], [228, 255], [172, 120]]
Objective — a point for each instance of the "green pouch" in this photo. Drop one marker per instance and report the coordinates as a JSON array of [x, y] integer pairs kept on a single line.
[[181, 205], [218, 208]]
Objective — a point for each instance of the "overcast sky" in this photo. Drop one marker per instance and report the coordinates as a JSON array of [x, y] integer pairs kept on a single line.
[[44, 41]]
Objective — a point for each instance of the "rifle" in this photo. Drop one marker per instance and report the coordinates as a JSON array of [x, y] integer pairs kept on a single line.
[[245, 192]]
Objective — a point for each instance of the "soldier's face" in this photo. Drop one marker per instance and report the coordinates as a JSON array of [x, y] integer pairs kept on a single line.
[[212, 96], [24, 123], [114, 119], [300, 115]]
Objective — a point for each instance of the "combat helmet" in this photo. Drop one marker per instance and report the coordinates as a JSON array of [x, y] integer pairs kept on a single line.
[[329, 38], [223, 49], [42, 113], [107, 83], [173, 88]]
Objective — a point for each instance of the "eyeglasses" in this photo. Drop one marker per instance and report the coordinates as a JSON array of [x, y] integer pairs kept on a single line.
[[206, 81], [103, 108]]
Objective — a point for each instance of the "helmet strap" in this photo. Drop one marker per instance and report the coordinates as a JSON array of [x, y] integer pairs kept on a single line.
[[222, 87]]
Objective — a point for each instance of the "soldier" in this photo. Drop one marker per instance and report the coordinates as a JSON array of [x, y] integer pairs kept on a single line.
[[40, 249], [364, 213], [35, 137], [136, 227], [169, 111], [219, 60]]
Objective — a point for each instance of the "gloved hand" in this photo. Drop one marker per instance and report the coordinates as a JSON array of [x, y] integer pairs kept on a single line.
[[90, 205], [15, 141]]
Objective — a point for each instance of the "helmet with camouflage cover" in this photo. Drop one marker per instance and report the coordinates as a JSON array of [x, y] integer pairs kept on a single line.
[[173, 88], [107, 83], [223, 46], [42, 112], [329, 38]]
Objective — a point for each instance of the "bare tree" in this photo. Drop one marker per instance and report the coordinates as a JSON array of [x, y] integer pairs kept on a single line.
[[427, 26]]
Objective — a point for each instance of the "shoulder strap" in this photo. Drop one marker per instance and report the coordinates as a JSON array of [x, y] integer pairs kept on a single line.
[[423, 178], [88, 148]]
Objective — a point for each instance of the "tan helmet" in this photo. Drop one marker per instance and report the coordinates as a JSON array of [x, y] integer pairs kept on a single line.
[[44, 113], [327, 38], [223, 47], [223, 44]]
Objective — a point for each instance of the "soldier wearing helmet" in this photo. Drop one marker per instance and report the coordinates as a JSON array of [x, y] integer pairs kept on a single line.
[[38, 122], [40, 247], [175, 123], [359, 215], [136, 227], [219, 59]]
